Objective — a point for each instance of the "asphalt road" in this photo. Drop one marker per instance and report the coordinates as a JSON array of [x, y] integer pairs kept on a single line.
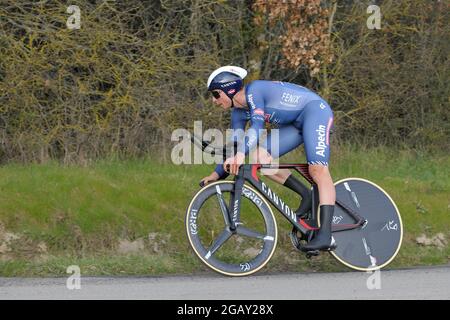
[[418, 283]]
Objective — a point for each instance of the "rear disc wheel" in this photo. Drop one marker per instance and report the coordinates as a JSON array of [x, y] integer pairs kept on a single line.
[[375, 244]]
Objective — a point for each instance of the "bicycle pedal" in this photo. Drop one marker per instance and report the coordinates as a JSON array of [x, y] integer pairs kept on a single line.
[[310, 254]]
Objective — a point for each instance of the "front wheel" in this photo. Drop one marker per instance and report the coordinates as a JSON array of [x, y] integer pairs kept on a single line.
[[375, 244], [237, 252]]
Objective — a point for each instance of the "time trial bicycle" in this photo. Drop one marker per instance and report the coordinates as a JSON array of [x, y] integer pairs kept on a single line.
[[231, 227]]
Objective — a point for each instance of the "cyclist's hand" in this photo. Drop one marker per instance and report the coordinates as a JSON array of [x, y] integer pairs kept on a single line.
[[234, 163], [207, 180]]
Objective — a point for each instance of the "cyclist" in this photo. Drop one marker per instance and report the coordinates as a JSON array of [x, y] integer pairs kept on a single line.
[[301, 115]]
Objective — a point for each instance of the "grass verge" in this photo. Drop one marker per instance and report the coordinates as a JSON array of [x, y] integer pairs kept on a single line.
[[127, 217]]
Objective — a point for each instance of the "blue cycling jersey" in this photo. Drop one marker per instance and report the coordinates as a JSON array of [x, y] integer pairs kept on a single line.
[[301, 115]]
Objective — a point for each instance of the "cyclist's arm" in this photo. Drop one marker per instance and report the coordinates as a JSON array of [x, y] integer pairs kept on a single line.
[[220, 172], [238, 122], [256, 105]]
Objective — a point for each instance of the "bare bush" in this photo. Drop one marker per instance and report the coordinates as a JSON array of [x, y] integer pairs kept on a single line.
[[136, 70]]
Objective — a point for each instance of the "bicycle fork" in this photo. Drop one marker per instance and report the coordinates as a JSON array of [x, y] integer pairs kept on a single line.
[[235, 204]]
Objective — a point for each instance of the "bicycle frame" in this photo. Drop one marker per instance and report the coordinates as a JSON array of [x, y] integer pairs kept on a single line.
[[248, 173]]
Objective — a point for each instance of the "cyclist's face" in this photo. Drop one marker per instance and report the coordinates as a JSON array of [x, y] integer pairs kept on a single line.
[[221, 99]]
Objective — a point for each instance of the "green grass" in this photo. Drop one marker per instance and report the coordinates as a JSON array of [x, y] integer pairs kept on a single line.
[[96, 265], [66, 215]]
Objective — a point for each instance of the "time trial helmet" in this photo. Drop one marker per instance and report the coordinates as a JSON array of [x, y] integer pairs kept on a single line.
[[229, 79]]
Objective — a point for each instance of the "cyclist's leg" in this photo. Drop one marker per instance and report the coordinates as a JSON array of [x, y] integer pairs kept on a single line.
[[316, 121], [277, 144]]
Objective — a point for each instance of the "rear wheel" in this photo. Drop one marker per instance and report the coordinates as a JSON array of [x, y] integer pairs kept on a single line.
[[375, 244]]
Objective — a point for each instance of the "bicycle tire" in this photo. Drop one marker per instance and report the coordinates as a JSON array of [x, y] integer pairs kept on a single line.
[[201, 246]]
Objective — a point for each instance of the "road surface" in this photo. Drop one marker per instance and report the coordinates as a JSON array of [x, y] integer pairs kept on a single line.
[[417, 283]]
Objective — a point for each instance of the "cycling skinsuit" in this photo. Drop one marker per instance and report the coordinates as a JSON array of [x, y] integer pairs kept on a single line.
[[301, 116]]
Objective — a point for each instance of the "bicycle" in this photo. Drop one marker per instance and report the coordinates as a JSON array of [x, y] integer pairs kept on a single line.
[[236, 233]]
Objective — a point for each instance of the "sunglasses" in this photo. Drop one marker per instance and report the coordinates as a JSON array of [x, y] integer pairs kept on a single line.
[[215, 94]]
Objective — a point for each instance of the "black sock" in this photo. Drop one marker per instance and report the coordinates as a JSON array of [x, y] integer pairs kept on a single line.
[[295, 185]]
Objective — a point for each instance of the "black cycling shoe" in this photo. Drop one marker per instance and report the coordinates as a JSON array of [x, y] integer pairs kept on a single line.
[[323, 239]]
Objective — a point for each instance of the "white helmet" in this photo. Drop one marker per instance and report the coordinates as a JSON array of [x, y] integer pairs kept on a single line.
[[213, 81]]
